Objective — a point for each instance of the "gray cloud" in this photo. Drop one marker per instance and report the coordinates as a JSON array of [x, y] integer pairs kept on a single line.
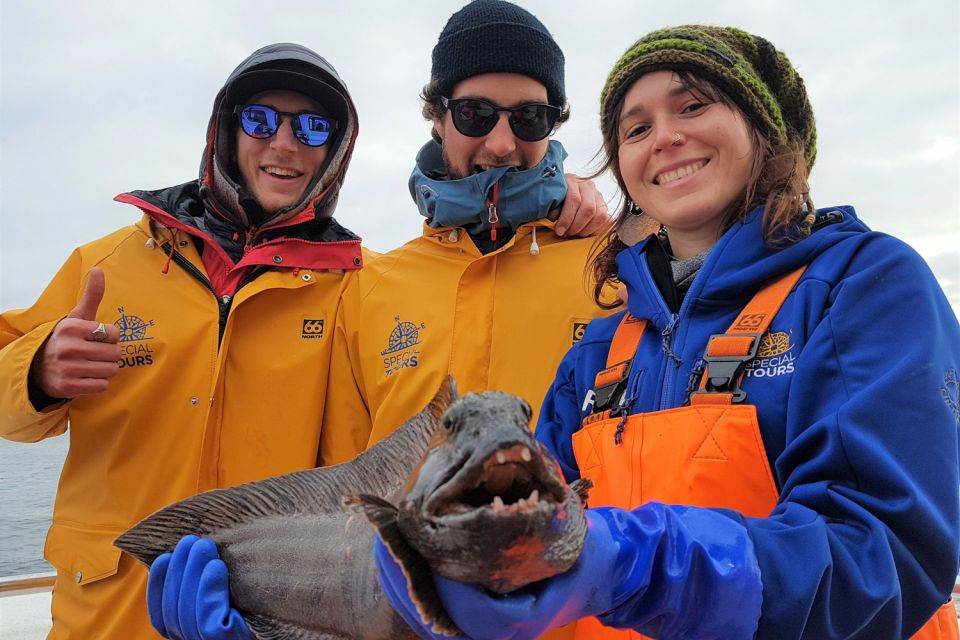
[[102, 97]]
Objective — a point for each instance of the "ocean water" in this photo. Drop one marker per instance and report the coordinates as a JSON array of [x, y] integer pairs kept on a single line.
[[28, 482]]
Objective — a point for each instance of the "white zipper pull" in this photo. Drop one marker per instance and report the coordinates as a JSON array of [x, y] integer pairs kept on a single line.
[[492, 216]]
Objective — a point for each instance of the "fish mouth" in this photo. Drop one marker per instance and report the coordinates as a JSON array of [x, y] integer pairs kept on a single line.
[[513, 480]]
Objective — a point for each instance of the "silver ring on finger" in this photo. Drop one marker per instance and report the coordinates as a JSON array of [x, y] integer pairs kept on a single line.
[[99, 334]]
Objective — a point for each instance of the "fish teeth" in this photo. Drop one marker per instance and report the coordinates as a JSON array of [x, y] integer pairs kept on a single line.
[[525, 454], [534, 498], [501, 457], [498, 505]]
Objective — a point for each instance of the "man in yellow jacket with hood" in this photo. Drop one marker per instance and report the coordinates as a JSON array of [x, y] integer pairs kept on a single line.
[[490, 292], [200, 334]]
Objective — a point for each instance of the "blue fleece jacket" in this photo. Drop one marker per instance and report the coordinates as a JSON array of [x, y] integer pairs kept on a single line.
[[858, 414]]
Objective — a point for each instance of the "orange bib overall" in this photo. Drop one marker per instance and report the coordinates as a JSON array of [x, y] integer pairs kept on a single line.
[[708, 454]]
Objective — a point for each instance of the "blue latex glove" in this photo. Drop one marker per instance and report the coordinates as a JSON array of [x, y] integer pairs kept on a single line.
[[188, 594], [663, 571]]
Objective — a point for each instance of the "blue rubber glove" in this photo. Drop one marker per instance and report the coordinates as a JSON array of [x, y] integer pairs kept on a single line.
[[188, 594], [663, 571]]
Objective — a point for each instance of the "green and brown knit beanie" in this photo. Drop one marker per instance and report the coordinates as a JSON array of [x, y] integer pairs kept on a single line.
[[747, 68]]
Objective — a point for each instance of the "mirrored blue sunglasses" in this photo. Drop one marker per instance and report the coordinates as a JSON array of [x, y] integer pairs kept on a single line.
[[261, 122]]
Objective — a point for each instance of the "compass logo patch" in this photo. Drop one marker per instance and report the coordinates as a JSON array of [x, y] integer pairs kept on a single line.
[[951, 393], [773, 356], [135, 348], [400, 352]]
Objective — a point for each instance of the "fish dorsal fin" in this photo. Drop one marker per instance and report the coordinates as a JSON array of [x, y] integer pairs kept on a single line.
[[443, 398], [303, 492], [421, 588], [394, 458]]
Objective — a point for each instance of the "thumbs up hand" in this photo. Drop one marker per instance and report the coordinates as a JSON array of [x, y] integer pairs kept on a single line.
[[81, 354]]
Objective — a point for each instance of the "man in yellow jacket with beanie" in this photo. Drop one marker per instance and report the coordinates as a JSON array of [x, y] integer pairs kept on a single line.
[[490, 293]]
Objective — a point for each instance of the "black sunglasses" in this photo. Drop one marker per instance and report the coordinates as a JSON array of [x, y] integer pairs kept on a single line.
[[260, 121], [476, 118]]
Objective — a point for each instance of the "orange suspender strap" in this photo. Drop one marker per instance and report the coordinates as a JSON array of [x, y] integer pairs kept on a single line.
[[728, 353], [612, 380], [625, 340]]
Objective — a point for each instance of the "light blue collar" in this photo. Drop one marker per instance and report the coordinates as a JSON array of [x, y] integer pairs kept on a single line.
[[524, 196]]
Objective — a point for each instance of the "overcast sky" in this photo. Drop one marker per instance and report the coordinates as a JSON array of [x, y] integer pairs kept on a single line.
[[98, 98]]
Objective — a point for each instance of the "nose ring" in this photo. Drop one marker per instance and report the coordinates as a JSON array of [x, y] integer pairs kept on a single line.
[[677, 139]]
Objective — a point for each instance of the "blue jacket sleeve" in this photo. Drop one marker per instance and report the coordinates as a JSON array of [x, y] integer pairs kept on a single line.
[[868, 517]]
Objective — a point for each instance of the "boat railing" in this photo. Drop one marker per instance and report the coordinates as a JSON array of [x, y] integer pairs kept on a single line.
[[26, 583]]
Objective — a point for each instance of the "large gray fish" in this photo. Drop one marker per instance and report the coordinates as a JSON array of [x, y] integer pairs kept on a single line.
[[461, 488]]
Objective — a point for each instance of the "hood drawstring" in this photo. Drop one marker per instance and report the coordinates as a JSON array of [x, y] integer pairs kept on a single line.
[[173, 247], [694, 380], [534, 247], [666, 337]]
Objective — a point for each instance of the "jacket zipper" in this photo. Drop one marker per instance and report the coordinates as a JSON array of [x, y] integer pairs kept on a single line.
[[666, 384], [492, 217], [668, 373], [223, 302]]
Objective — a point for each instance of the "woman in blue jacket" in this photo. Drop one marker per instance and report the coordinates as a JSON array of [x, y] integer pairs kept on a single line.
[[771, 423]]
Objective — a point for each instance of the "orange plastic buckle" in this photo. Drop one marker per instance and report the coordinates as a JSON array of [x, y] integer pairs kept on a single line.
[[726, 357], [609, 383]]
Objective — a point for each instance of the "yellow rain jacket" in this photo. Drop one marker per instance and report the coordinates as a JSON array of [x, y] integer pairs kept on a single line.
[[182, 415], [436, 306], [224, 355]]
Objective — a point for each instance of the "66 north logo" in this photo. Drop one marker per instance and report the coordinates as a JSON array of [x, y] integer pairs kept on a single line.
[[311, 329]]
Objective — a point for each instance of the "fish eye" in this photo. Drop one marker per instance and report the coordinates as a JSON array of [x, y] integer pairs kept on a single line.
[[527, 411]]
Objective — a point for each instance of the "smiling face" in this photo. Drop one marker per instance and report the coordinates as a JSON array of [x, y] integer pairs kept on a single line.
[[278, 170], [464, 155], [687, 186]]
